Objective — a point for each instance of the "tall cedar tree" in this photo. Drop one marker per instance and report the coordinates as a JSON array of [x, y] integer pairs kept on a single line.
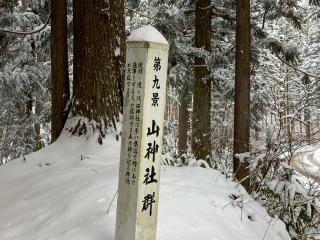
[[184, 124], [99, 50], [59, 67], [242, 92], [201, 131]]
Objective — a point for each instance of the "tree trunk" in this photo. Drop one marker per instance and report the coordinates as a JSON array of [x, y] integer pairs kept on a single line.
[[184, 124], [24, 5], [37, 125], [307, 114], [307, 125], [29, 101], [299, 116], [242, 93], [99, 50], [59, 68], [201, 131], [29, 105], [288, 121]]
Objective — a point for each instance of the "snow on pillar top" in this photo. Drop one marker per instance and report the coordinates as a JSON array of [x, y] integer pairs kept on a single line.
[[147, 34]]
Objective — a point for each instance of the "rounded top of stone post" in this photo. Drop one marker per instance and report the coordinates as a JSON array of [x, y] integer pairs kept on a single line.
[[147, 34]]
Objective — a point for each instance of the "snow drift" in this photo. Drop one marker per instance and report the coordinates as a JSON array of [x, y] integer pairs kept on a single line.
[[65, 192]]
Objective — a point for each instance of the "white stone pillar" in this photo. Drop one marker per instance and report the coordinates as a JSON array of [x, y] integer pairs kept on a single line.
[[142, 135]]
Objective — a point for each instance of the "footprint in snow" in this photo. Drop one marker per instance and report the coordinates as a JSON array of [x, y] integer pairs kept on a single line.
[[44, 164]]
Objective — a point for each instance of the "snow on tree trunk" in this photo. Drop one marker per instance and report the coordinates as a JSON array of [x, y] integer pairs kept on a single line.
[[99, 50], [201, 131]]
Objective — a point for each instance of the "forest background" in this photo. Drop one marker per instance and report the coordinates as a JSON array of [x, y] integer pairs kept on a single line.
[[43, 83]]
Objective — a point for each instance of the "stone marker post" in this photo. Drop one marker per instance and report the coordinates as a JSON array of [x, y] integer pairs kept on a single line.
[[142, 135]]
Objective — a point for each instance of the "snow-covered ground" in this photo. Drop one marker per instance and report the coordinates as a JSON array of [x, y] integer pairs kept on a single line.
[[65, 192]]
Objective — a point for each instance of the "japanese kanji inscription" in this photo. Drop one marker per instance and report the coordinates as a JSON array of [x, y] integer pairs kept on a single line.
[[142, 133]]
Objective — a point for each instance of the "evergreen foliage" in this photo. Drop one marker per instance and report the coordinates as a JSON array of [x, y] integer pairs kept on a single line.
[[285, 89], [24, 78]]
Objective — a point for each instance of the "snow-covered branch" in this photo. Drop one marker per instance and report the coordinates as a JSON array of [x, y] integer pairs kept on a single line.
[[36, 30]]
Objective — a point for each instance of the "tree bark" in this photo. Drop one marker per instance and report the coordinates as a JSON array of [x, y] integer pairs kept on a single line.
[[29, 105], [37, 125], [59, 68], [99, 51], [24, 5], [307, 113], [242, 93], [307, 124], [184, 124], [288, 121], [201, 131]]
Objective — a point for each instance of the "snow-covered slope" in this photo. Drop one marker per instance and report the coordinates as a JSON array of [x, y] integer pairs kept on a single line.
[[64, 191]]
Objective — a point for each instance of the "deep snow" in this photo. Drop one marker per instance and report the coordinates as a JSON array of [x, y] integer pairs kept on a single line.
[[64, 191]]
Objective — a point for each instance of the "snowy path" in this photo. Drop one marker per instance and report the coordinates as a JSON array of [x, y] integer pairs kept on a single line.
[[307, 163]]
